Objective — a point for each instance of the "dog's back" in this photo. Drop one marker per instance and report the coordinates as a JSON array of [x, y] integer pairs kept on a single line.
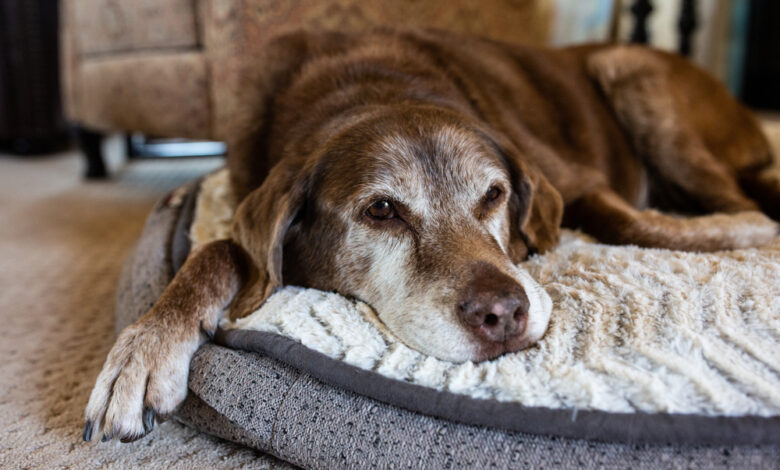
[[549, 102]]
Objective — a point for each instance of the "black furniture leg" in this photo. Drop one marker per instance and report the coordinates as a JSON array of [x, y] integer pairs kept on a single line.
[[686, 26], [90, 143], [641, 10]]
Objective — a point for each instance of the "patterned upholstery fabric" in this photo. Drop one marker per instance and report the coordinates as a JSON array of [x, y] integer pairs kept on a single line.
[[117, 53]]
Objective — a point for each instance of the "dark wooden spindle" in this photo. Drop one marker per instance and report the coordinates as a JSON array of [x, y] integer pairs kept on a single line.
[[686, 26], [641, 10]]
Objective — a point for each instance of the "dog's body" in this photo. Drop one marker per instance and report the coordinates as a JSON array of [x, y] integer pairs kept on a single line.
[[413, 170]]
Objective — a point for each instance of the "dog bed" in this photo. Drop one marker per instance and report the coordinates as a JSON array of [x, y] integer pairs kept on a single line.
[[651, 356]]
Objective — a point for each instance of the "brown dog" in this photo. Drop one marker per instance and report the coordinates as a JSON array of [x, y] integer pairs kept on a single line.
[[413, 170]]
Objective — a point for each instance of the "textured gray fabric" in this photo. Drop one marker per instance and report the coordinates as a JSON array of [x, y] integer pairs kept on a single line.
[[159, 252], [263, 403], [629, 428], [244, 415], [214, 374], [248, 398], [326, 428], [180, 239], [148, 269]]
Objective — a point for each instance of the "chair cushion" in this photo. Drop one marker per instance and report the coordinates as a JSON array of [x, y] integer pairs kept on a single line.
[[113, 26], [159, 94]]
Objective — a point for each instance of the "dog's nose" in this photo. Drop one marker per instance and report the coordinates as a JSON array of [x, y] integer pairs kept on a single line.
[[494, 306], [494, 317]]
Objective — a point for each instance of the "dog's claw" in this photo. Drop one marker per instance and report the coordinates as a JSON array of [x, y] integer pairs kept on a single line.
[[148, 419], [207, 331], [134, 437], [105, 438], [87, 433]]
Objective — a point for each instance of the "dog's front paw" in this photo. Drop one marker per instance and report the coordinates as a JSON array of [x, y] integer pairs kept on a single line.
[[143, 380]]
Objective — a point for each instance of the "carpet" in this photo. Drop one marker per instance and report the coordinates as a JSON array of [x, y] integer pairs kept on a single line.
[[62, 243]]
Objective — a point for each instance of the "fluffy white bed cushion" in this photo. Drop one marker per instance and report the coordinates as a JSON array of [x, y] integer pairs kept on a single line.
[[632, 329]]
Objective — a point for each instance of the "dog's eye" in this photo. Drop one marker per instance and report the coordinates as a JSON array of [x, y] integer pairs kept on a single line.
[[381, 210], [492, 194]]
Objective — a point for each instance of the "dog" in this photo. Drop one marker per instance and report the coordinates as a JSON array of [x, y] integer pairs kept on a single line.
[[413, 170]]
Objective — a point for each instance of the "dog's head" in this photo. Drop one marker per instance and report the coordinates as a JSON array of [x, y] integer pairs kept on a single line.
[[420, 213]]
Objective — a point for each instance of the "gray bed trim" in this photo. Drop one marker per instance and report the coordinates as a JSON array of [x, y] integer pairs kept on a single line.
[[630, 428], [180, 240]]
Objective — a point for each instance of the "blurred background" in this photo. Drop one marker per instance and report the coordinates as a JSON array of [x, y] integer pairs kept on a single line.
[[159, 75]]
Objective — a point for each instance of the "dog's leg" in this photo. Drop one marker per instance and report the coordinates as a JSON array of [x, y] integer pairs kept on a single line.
[[605, 215], [145, 374], [654, 108]]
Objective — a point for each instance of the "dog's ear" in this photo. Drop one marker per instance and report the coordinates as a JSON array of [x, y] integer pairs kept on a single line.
[[536, 207], [260, 226]]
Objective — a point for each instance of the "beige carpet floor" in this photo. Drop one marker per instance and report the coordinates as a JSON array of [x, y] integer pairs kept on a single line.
[[62, 242]]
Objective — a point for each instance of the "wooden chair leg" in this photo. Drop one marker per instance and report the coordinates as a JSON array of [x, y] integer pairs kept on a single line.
[[90, 144]]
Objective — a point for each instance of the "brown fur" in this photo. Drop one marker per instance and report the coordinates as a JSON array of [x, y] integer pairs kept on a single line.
[[589, 136]]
